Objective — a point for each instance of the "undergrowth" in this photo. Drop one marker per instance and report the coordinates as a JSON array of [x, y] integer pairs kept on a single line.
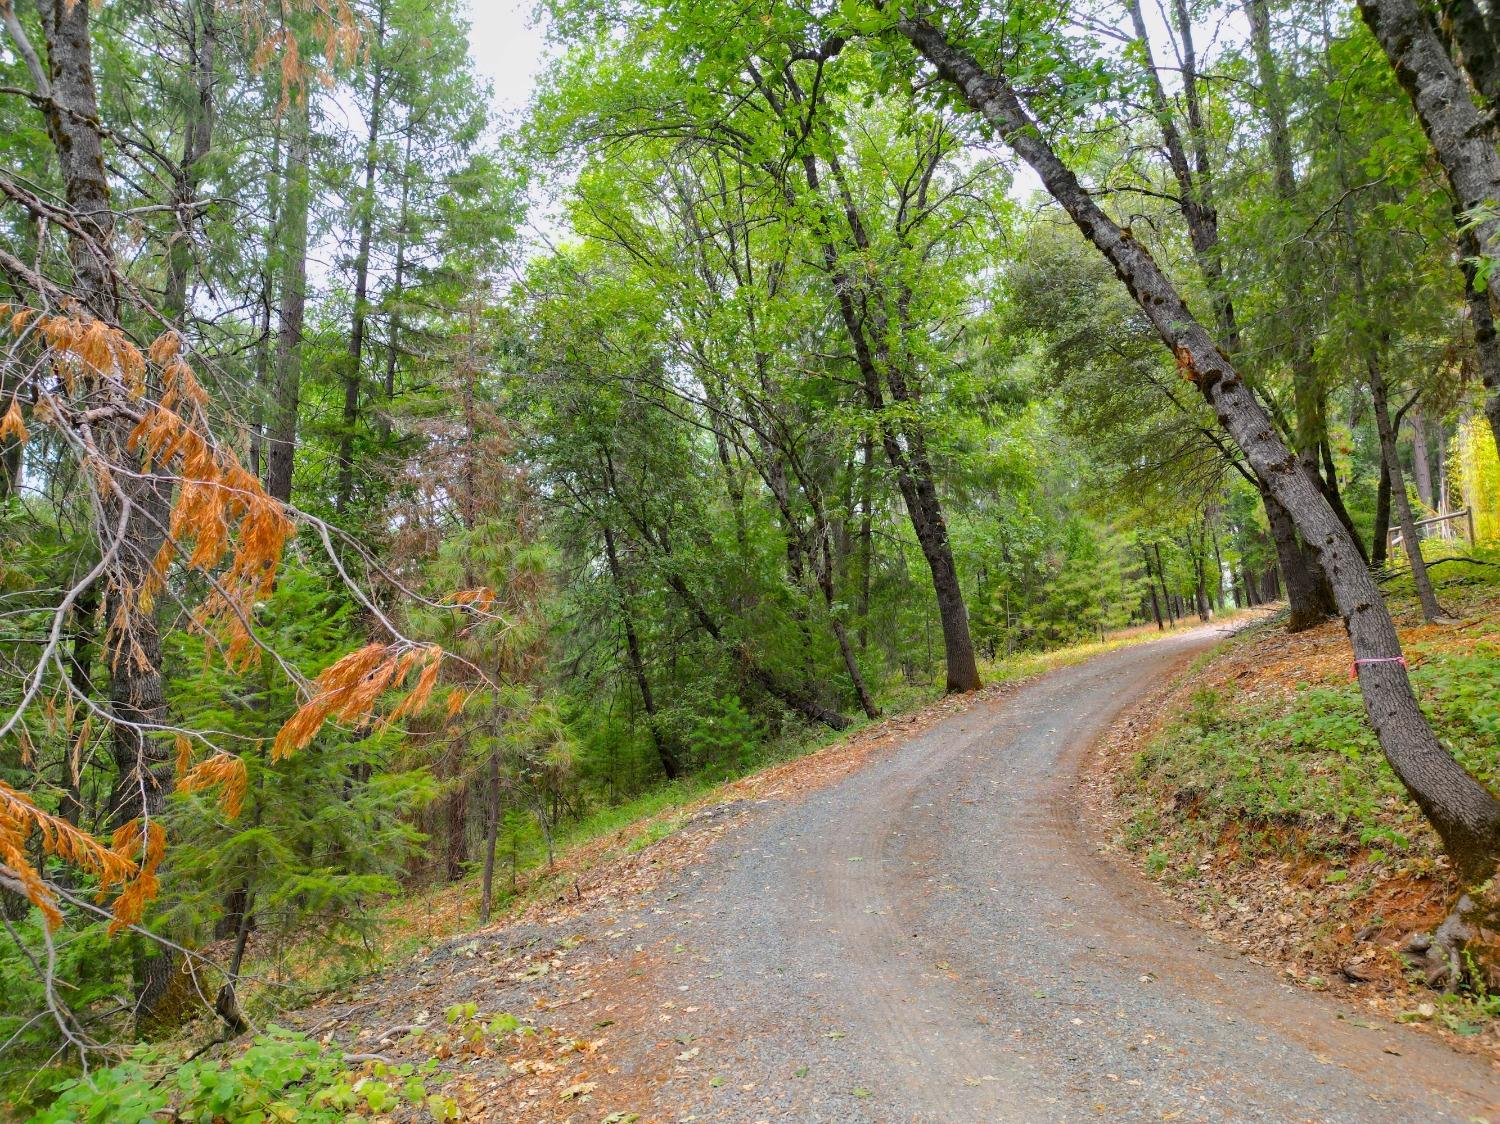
[[1269, 763], [288, 1076]]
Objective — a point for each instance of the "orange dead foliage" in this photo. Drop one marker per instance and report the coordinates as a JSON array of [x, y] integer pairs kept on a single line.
[[222, 769], [19, 817], [11, 425], [143, 846], [349, 689]]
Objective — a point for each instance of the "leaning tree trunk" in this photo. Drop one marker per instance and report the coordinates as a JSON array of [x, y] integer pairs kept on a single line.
[[1463, 140], [1463, 812], [1308, 595]]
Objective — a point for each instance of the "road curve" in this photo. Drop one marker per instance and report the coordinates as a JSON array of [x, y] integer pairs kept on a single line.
[[934, 938]]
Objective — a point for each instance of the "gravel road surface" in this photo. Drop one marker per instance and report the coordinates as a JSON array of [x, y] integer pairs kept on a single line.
[[934, 938]]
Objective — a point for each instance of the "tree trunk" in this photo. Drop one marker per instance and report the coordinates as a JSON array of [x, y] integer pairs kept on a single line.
[[281, 434], [1486, 341], [1410, 541], [1308, 594], [1166, 594], [866, 535], [1310, 600], [491, 835], [264, 345], [1464, 813], [868, 329], [665, 751], [456, 845], [137, 506], [1421, 468], [1382, 534], [197, 140], [1464, 145], [398, 282], [1151, 588], [1474, 33], [354, 359], [1444, 507]]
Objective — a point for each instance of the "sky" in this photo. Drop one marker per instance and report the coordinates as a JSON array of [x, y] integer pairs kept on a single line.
[[507, 49]]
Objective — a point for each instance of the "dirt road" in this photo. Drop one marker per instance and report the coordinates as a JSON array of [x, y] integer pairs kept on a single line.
[[931, 937], [934, 938]]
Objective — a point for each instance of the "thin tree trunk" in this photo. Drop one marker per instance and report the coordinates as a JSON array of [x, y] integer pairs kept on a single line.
[[1410, 541], [868, 329], [1218, 571], [398, 282], [281, 434], [866, 536], [1380, 547], [665, 752], [1166, 594], [1464, 813], [1151, 588], [196, 142], [265, 346], [1421, 468], [354, 359], [491, 835]]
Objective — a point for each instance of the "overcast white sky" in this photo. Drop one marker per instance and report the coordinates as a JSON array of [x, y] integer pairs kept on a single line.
[[507, 49]]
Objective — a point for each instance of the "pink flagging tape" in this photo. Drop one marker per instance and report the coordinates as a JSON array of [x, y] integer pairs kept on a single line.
[[1354, 670]]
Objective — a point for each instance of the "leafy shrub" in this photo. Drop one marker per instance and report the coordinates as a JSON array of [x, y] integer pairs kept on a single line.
[[282, 1076]]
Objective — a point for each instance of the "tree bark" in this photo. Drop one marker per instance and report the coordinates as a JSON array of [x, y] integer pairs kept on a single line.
[[197, 140], [665, 751], [491, 835], [1307, 591], [1486, 340], [1465, 147], [1382, 534], [281, 434], [1464, 813], [1421, 468], [1475, 36], [138, 503], [1411, 542], [354, 359]]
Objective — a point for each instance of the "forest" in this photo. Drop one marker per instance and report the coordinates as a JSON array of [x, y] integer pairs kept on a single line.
[[391, 486]]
